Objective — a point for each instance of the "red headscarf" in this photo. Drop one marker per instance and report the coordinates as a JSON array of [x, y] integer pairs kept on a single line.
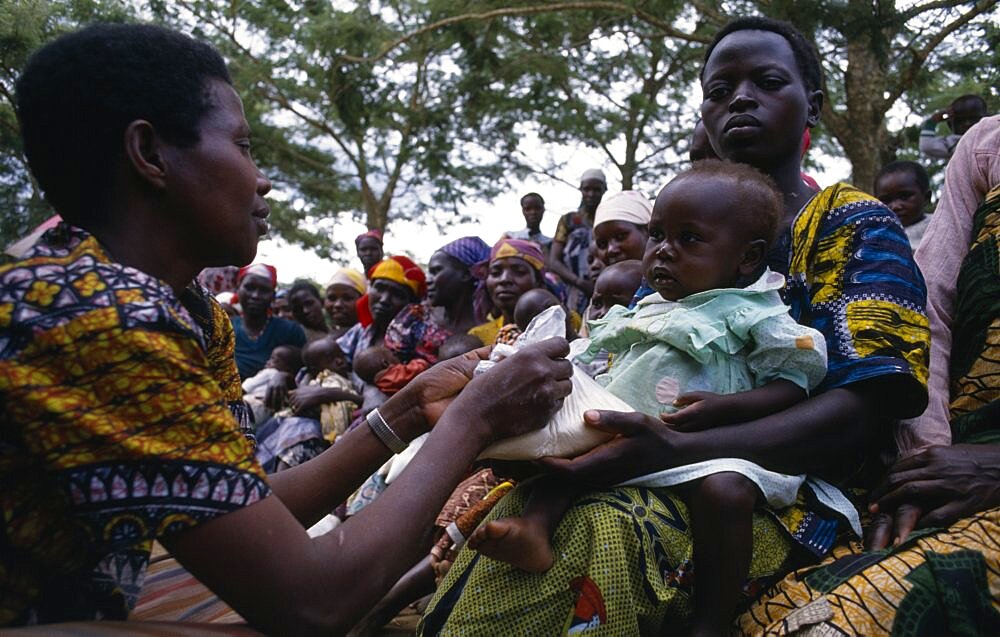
[[374, 234], [258, 269]]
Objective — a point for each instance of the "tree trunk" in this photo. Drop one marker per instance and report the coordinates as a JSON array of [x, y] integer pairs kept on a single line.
[[862, 132]]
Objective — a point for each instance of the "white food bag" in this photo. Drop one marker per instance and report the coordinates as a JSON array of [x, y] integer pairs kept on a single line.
[[565, 435]]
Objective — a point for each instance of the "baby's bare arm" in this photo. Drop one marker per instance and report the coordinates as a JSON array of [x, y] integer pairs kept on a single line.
[[704, 410]]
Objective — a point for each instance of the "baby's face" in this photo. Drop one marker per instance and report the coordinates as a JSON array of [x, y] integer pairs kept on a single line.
[[611, 290], [280, 360], [695, 240]]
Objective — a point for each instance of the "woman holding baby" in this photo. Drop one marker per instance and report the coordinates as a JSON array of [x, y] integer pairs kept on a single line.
[[624, 560]]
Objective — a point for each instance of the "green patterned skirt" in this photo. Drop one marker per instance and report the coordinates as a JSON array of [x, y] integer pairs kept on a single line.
[[623, 567]]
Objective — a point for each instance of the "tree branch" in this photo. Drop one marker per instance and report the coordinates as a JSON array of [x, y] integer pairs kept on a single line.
[[916, 10], [553, 7], [908, 75]]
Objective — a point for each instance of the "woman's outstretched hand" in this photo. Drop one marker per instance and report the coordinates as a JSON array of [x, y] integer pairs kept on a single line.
[[934, 487], [639, 447], [434, 389], [520, 393]]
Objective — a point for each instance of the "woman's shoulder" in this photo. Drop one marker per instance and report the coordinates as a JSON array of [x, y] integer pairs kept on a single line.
[[412, 313], [838, 202], [487, 332], [839, 214], [67, 277]]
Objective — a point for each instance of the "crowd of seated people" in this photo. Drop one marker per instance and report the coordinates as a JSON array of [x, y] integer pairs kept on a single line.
[[788, 392]]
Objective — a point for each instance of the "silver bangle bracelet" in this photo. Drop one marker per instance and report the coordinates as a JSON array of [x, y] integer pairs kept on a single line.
[[384, 432]]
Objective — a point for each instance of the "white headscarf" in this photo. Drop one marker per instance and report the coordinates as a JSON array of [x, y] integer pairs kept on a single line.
[[629, 205], [595, 174]]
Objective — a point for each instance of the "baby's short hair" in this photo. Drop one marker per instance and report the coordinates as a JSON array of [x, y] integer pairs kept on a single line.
[[457, 345], [762, 208], [531, 304], [372, 360]]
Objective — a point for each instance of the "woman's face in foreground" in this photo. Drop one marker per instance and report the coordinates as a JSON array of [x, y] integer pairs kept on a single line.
[[756, 106], [219, 190]]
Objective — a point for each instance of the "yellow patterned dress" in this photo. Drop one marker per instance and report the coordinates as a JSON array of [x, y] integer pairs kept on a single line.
[[624, 556], [117, 428], [939, 582]]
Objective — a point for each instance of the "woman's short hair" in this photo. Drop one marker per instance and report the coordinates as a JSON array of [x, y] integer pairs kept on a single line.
[[806, 58], [78, 94]]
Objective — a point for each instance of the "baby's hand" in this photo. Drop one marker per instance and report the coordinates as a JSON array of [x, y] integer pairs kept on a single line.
[[699, 410]]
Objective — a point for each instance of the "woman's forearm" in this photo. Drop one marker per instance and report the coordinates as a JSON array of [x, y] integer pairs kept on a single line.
[[313, 489], [825, 435]]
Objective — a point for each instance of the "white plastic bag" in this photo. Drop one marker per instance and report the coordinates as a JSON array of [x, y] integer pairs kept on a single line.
[[565, 435]]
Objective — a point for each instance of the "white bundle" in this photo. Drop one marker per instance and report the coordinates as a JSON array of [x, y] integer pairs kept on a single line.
[[565, 435]]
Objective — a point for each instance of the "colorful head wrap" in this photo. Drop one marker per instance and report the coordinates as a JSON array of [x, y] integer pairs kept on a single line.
[[629, 205], [374, 233], [351, 278], [468, 250], [471, 251], [398, 269], [401, 270], [532, 255], [527, 250], [259, 269]]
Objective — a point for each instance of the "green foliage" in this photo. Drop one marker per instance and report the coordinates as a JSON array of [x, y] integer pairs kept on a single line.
[[407, 109], [24, 26]]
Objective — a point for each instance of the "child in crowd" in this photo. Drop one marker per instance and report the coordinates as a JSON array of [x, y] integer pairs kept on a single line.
[[457, 345], [704, 348], [327, 369], [905, 188], [616, 285], [284, 359], [531, 304], [378, 366]]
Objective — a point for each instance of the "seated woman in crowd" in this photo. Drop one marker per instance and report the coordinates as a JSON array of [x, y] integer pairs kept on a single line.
[[307, 310], [624, 560], [620, 234], [319, 409], [712, 347], [514, 267], [942, 579], [343, 290], [620, 224], [451, 306], [118, 373], [395, 283], [257, 332]]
